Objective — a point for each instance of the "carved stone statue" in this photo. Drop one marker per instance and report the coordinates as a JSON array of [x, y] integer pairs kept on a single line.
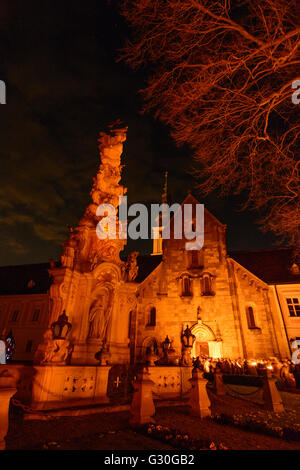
[[83, 253], [52, 351], [52, 263], [99, 317], [94, 260], [131, 267], [74, 243], [61, 351], [67, 257], [151, 356], [44, 350], [106, 187]]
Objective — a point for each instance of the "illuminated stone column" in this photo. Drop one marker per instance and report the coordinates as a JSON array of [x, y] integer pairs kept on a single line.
[[218, 382], [271, 396], [142, 407], [199, 401]]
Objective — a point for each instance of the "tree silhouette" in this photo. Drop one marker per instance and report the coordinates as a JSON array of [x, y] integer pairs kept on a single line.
[[220, 75]]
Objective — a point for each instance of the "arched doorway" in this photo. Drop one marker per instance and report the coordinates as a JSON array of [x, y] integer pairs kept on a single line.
[[201, 348], [206, 343]]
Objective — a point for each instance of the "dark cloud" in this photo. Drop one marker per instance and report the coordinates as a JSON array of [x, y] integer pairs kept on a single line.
[[63, 87]]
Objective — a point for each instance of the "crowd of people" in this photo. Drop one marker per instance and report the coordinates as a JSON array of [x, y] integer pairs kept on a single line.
[[285, 370]]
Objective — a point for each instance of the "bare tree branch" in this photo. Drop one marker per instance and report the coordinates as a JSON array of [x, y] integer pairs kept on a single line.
[[221, 74]]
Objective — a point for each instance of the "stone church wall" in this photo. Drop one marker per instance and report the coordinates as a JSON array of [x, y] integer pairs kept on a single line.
[[223, 313]]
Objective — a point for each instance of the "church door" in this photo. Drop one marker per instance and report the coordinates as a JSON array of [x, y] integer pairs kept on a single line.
[[201, 348]]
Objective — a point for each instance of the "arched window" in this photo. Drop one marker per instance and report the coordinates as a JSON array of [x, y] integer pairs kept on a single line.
[[250, 318], [207, 288], [152, 317], [207, 285], [186, 286]]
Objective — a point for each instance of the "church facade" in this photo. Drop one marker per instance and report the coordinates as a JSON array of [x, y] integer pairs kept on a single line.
[[230, 310]]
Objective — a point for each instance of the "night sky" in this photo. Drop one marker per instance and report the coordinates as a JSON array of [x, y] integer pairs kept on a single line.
[[58, 59]]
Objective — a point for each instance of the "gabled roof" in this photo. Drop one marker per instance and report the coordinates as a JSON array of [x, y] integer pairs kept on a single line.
[[190, 199], [14, 279], [147, 264], [249, 273], [271, 265]]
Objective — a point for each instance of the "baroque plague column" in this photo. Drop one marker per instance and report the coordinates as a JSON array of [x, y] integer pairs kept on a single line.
[[92, 285]]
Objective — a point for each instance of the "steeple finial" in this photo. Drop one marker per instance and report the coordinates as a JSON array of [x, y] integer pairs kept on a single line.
[[164, 197]]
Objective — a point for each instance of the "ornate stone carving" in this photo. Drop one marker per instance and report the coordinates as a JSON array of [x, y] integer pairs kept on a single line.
[[106, 187], [100, 316], [52, 351], [59, 352], [73, 243], [86, 257], [187, 339], [83, 250], [44, 350], [131, 268]]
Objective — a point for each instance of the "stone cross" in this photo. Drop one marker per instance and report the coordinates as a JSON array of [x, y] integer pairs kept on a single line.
[[118, 382]]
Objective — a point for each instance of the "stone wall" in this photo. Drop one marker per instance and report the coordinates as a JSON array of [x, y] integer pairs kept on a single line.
[[170, 382], [56, 387], [52, 387]]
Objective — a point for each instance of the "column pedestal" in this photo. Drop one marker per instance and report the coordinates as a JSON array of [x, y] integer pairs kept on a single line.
[[5, 396], [142, 407], [271, 396], [199, 401]]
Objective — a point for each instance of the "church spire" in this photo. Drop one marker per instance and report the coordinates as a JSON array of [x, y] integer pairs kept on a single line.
[[157, 231], [164, 197]]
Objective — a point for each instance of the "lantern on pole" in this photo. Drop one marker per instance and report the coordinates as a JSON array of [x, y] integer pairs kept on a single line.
[[166, 344], [187, 339], [61, 327]]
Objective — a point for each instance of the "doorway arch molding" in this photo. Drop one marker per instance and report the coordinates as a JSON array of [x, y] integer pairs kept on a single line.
[[203, 332]]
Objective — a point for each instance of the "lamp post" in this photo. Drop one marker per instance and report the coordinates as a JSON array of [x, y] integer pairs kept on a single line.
[[166, 346], [187, 339], [61, 327], [61, 348]]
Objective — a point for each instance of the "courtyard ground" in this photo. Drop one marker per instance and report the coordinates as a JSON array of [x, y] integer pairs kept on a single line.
[[111, 431]]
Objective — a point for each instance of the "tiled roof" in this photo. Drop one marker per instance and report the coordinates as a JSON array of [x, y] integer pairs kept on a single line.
[[272, 265], [18, 279]]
